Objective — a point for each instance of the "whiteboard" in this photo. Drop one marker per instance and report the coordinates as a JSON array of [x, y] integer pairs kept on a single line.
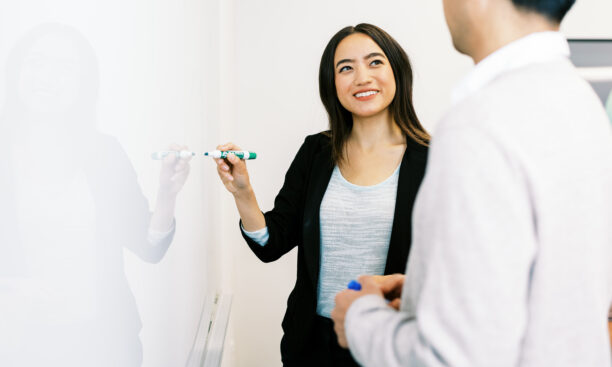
[[132, 77]]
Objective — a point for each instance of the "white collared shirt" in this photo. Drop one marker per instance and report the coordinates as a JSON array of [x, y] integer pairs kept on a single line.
[[540, 47]]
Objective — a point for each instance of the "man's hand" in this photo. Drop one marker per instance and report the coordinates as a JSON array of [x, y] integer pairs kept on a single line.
[[391, 286], [344, 299]]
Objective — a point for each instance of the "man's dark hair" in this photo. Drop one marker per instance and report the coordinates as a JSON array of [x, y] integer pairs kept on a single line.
[[553, 9]]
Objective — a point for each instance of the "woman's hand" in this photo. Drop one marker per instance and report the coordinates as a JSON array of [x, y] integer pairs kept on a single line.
[[233, 171], [235, 177], [174, 172]]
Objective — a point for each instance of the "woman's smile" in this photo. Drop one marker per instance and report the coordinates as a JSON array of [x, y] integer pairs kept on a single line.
[[366, 95]]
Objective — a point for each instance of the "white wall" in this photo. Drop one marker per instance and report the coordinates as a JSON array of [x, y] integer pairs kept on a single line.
[[277, 48], [589, 19]]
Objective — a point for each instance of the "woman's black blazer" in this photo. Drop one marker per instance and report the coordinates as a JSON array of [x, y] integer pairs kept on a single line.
[[294, 221]]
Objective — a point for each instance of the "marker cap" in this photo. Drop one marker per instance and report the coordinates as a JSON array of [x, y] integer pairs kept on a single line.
[[354, 285]]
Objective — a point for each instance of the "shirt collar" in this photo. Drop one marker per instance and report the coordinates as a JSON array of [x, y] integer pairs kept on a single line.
[[534, 48]]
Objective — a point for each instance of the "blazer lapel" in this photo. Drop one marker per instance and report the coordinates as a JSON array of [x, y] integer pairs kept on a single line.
[[401, 231], [321, 170]]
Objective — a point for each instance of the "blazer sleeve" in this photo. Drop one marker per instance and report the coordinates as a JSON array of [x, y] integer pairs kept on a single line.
[[284, 221]]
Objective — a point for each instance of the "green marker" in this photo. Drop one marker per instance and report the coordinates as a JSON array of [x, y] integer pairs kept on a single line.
[[242, 154]]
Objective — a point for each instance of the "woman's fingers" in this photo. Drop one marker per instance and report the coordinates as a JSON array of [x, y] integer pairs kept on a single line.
[[175, 147], [222, 164], [239, 166], [226, 177], [175, 158], [232, 170], [228, 146], [181, 165], [233, 159], [224, 174], [188, 158], [181, 176]]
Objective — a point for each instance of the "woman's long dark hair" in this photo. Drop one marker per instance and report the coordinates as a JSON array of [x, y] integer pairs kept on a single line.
[[401, 108]]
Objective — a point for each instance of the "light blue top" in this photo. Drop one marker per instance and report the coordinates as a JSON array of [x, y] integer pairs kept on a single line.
[[356, 226], [356, 223], [260, 236]]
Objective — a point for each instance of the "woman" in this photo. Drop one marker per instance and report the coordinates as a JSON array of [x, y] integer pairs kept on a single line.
[[347, 198]]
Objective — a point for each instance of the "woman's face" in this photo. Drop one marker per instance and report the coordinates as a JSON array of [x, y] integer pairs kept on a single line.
[[50, 76], [365, 84]]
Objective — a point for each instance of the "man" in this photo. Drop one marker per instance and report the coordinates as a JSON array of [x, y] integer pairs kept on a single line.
[[511, 262]]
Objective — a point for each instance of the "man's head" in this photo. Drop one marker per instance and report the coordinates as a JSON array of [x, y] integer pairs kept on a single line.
[[554, 10], [478, 25]]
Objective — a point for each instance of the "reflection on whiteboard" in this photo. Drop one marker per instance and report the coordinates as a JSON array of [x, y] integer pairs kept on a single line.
[[69, 204]]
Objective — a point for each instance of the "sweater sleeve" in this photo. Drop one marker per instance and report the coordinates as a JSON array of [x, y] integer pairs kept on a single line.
[[464, 301], [260, 236]]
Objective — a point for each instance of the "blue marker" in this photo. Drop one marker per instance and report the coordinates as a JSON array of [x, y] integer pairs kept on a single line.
[[354, 285]]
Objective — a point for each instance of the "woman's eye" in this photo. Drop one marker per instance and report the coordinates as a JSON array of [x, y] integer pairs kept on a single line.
[[376, 62], [344, 68]]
